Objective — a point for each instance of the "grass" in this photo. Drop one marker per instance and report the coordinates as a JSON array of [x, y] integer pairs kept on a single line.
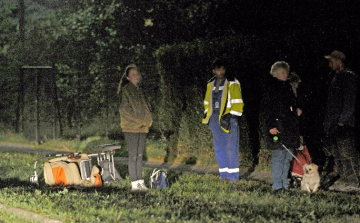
[[191, 198], [155, 150], [58, 144], [12, 138]]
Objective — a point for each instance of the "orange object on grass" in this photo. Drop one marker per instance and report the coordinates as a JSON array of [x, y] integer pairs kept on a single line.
[[97, 180], [59, 176]]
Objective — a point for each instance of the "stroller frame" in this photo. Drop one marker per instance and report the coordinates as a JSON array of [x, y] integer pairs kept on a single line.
[[106, 156]]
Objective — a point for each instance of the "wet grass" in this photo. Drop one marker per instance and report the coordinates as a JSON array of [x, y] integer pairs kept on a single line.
[[191, 198]]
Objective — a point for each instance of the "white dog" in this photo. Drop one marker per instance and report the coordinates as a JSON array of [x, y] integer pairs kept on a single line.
[[311, 178]]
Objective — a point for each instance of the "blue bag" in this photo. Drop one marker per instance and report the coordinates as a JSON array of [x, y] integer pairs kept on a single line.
[[158, 179]]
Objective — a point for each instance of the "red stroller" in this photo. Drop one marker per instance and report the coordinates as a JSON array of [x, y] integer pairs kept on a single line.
[[303, 157]]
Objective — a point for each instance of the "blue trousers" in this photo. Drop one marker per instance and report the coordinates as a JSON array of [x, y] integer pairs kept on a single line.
[[226, 148], [280, 165]]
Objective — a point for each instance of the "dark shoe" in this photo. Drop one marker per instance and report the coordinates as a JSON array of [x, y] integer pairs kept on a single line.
[[279, 191], [228, 180], [345, 183], [351, 180], [295, 182]]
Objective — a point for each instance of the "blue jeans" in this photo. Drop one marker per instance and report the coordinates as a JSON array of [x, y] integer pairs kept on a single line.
[[226, 147], [280, 165]]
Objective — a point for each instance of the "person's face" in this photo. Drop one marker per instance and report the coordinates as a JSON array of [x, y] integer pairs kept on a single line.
[[334, 64], [220, 72], [281, 74], [134, 76]]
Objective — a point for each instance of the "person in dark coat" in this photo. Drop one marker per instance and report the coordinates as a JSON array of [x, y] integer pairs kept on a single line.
[[339, 122], [280, 112]]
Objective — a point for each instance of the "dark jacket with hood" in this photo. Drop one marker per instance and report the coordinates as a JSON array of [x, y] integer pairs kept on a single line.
[[341, 101], [279, 111]]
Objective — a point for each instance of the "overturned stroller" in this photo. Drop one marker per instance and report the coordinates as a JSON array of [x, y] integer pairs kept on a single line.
[[76, 169]]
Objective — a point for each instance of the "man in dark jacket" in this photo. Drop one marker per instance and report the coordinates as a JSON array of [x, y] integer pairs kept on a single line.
[[280, 112], [339, 122]]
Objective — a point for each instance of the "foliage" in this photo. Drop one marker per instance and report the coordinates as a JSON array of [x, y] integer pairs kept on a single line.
[[155, 150], [12, 138], [89, 42], [185, 70], [191, 198]]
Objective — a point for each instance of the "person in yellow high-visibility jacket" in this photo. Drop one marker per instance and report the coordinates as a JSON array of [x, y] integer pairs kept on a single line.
[[223, 106]]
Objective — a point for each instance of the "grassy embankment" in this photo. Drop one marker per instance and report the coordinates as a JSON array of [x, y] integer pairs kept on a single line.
[[155, 150]]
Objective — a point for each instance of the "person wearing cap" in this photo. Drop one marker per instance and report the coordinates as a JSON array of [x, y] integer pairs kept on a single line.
[[280, 111], [136, 119], [339, 122], [223, 106]]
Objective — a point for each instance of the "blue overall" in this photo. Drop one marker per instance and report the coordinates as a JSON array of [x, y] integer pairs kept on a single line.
[[226, 144]]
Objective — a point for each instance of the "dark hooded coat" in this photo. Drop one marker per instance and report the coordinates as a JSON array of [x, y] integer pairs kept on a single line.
[[279, 106]]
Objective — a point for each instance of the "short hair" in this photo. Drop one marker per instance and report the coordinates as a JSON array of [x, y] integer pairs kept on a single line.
[[218, 63], [279, 64]]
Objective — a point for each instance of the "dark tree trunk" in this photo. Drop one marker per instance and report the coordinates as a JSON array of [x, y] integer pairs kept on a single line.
[[107, 81], [78, 108]]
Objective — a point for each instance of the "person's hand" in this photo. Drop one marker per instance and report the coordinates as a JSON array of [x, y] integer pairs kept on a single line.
[[298, 111], [274, 131], [340, 128]]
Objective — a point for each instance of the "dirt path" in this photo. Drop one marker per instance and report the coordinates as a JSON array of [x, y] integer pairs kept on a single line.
[[28, 214], [13, 147]]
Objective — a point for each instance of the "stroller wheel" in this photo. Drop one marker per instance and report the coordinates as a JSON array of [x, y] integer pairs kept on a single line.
[[34, 179], [296, 181]]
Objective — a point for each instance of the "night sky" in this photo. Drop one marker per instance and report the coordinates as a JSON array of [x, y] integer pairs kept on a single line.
[[301, 33]]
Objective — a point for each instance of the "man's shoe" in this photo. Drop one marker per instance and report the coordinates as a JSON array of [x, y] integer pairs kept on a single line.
[[279, 191]]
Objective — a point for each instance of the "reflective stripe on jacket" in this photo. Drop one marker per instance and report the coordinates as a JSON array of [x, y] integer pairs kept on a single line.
[[231, 100]]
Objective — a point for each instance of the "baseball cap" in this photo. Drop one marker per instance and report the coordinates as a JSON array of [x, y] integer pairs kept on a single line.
[[336, 54]]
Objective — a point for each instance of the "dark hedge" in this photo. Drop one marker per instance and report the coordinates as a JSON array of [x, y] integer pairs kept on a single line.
[[185, 70]]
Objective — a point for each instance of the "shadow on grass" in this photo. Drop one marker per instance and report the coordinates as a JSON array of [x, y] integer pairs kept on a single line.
[[249, 171], [16, 182]]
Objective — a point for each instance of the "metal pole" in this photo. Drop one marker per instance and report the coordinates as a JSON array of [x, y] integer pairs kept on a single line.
[[19, 125], [37, 106], [53, 83], [54, 123]]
